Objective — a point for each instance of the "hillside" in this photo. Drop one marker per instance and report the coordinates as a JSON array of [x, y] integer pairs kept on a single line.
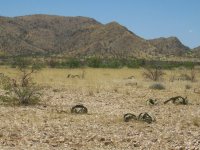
[[78, 36], [40, 33], [169, 46], [197, 51]]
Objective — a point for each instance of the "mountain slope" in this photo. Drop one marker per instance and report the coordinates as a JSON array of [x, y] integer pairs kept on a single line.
[[196, 51], [169, 46], [78, 36], [39, 33]]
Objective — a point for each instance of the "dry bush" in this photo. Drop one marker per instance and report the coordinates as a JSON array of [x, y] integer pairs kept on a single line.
[[157, 86], [187, 86], [172, 76], [21, 90], [154, 74], [191, 76]]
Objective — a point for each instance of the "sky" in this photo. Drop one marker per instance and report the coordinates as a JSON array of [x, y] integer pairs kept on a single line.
[[146, 18]]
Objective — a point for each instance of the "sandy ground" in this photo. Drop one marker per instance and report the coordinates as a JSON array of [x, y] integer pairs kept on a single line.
[[50, 125]]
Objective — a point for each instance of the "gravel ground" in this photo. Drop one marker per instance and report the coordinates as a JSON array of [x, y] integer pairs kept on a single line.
[[50, 125]]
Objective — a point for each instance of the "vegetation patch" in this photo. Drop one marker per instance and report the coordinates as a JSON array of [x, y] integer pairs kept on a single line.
[[154, 74], [157, 86], [21, 90], [97, 62]]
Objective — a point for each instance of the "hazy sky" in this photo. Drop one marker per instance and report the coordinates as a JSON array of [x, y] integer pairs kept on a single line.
[[147, 18]]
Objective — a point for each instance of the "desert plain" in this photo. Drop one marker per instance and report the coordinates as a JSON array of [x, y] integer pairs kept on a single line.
[[108, 94]]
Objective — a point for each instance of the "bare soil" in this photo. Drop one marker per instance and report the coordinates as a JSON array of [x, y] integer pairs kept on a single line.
[[50, 125]]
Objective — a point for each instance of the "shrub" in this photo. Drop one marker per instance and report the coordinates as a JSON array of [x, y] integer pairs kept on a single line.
[[53, 63], [21, 90], [73, 63], [133, 64], [154, 74], [190, 76], [113, 63], [193, 75], [187, 86], [157, 86], [94, 62]]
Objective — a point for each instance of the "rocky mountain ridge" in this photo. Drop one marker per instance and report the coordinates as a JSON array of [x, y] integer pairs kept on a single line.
[[79, 36]]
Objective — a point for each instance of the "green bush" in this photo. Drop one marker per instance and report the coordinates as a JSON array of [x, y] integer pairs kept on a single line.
[[94, 62], [111, 63], [134, 63], [72, 63]]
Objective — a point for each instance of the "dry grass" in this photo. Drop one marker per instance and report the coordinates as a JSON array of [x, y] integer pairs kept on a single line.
[[108, 97]]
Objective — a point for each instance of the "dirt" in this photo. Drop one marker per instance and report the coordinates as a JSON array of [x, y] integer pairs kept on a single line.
[[50, 125]]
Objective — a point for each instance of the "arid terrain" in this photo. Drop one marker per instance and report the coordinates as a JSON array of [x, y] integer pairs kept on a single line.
[[108, 94], [83, 37]]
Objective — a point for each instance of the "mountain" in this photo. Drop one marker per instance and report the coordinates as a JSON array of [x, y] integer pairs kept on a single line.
[[40, 33], [196, 51], [169, 46], [78, 36]]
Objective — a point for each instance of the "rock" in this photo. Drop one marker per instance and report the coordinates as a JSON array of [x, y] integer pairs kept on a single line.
[[179, 100], [79, 109], [151, 102], [128, 117], [146, 118]]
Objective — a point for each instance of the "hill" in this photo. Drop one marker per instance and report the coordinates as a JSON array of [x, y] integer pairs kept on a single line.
[[79, 36], [197, 51], [169, 46]]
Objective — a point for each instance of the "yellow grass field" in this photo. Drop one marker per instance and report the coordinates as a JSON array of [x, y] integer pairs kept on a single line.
[[108, 94]]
